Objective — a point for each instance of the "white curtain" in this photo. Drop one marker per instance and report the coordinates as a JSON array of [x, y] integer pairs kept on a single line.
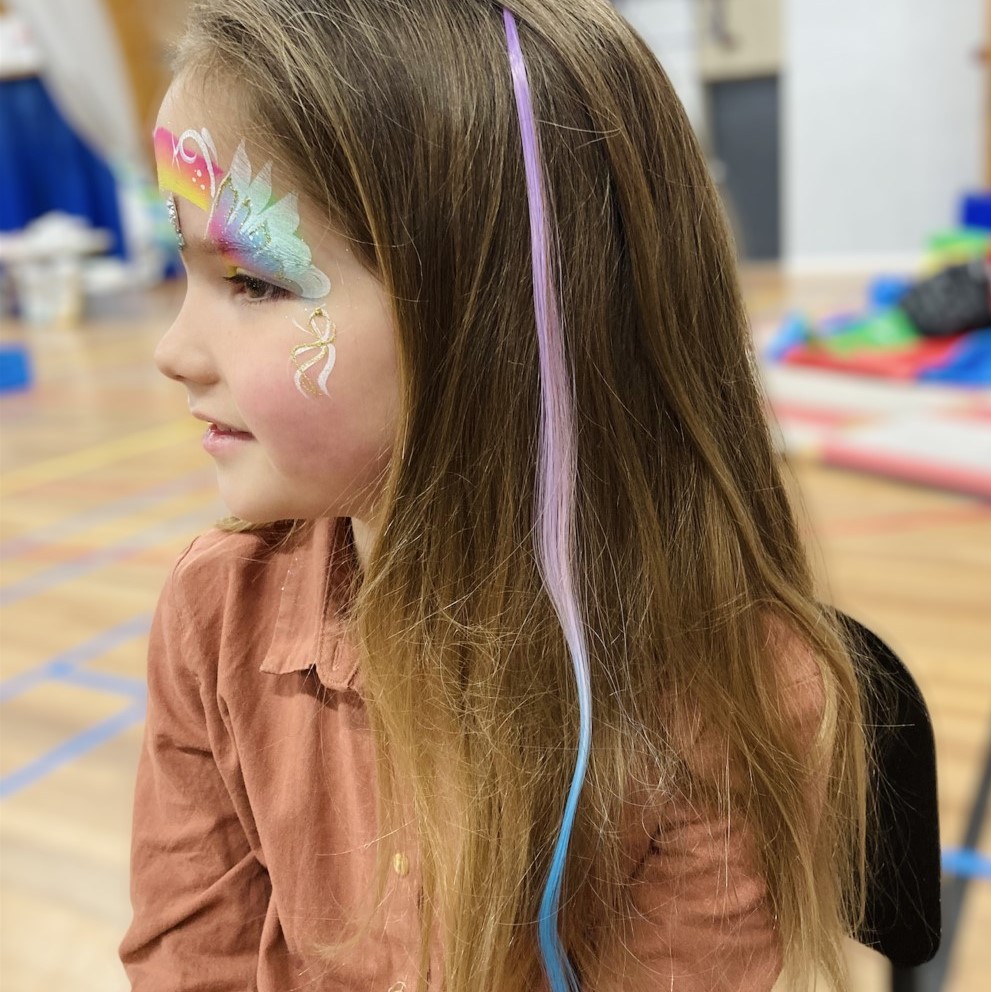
[[85, 74], [670, 28]]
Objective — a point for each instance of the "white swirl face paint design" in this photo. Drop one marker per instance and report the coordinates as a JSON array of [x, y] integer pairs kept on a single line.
[[324, 334], [203, 159]]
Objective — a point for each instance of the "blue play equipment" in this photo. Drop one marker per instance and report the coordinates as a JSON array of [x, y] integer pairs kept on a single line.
[[15, 368]]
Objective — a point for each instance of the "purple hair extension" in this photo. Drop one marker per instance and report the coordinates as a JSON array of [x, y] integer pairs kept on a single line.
[[555, 505]]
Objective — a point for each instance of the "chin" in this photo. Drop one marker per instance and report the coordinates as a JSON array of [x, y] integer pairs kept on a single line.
[[257, 512]]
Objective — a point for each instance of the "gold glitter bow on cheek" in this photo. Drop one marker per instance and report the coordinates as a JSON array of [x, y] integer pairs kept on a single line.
[[324, 333]]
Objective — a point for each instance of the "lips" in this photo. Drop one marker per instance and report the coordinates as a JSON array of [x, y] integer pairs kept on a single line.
[[222, 441], [217, 426], [224, 429]]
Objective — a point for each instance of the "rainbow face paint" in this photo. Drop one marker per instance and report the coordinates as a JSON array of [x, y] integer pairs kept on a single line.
[[259, 232], [253, 230], [187, 165]]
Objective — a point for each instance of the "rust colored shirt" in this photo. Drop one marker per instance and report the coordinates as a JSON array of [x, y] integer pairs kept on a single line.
[[254, 811]]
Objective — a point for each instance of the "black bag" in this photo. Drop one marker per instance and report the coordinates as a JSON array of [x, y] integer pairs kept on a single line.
[[950, 302]]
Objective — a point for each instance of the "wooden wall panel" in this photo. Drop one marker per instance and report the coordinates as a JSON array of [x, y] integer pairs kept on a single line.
[[146, 29]]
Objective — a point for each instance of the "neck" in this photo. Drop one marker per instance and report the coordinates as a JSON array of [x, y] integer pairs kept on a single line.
[[364, 535]]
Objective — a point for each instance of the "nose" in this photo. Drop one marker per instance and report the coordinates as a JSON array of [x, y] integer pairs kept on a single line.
[[182, 353]]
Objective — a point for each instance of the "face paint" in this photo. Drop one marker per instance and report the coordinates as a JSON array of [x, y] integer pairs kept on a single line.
[[259, 232], [187, 165], [253, 230], [324, 333], [174, 220]]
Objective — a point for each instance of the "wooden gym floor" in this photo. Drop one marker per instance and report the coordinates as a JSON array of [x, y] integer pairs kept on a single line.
[[104, 482]]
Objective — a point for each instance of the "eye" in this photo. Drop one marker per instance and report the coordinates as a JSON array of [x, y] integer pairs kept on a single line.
[[256, 290]]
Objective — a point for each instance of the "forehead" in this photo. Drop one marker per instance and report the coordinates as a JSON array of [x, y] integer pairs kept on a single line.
[[197, 106], [247, 212], [194, 104]]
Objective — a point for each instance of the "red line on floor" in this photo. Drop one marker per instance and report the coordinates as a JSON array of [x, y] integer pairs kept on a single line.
[[893, 523]]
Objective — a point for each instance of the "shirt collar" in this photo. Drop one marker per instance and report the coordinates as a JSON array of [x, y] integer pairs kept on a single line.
[[316, 568]]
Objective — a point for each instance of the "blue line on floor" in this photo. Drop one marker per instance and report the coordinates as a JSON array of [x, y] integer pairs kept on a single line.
[[105, 682], [188, 523], [967, 864], [68, 527], [73, 748], [66, 663]]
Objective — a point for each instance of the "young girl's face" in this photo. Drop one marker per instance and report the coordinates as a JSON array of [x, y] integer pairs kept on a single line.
[[282, 336]]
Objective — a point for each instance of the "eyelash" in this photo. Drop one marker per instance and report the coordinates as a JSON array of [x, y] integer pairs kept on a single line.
[[247, 284]]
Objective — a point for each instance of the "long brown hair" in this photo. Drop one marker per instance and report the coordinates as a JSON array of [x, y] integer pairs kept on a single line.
[[398, 120]]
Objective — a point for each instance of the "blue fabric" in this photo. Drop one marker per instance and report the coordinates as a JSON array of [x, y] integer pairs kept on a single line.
[[15, 367], [886, 291], [975, 210], [792, 334], [44, 165], [969, 363]]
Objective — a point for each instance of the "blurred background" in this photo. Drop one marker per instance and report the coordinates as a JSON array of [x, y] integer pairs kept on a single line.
[[852, 145]]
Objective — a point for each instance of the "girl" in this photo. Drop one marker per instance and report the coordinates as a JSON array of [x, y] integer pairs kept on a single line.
[[507, 673]]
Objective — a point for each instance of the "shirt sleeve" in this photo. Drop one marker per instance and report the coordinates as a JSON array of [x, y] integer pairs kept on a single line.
[[198, 892], [703, 920]]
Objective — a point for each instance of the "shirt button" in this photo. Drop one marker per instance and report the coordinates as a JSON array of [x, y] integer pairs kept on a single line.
[[400, 864]]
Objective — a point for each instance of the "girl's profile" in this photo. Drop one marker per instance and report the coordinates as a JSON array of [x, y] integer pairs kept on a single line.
[[507, 671]]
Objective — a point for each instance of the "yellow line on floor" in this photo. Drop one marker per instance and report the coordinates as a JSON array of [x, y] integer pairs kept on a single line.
[[99, 455]]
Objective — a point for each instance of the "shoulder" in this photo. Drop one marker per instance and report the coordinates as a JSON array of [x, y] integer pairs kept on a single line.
[[219, 566], [786, 700], [221, 596], [798, 677], [217, 555]]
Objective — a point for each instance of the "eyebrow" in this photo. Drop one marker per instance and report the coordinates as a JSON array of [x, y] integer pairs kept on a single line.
[[206, 246], [203, 246], [212, 249]]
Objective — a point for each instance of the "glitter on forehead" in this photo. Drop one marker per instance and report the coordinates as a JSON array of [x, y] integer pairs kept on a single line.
[[174, 220]]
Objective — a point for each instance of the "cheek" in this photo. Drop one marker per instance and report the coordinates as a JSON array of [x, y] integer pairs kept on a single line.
[[336, 440]]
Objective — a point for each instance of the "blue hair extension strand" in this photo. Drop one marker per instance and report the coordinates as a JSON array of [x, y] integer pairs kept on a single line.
[[557, 466]]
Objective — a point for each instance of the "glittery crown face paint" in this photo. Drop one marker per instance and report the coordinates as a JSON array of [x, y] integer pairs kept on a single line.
[[252, 229]]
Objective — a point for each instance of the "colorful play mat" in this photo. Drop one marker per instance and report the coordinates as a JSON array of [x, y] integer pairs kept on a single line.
[[903, 387]]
